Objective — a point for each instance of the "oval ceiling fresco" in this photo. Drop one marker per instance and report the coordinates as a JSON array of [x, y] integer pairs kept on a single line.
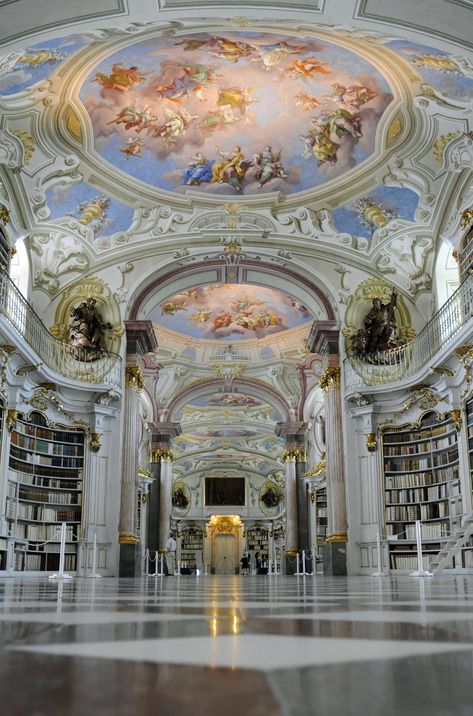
[[238, 112], [230, 311]]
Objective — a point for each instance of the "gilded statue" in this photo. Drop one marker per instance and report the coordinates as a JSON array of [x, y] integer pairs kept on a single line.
[[379, 332], [86, 332]]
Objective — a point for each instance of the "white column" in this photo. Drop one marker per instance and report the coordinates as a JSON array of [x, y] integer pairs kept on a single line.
[[336, 499], [131, 439], [165, 504]]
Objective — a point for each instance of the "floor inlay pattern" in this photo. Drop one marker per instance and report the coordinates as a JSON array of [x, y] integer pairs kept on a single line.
[[259, 646]]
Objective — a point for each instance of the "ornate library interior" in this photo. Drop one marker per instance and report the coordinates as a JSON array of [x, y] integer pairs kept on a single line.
[[236, 362]]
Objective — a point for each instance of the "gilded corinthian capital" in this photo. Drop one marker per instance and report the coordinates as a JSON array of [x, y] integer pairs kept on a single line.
[[330, 378], [134, 378]]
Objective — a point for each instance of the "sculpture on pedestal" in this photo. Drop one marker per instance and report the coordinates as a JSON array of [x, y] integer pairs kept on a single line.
[[86, 332], [379, 332]]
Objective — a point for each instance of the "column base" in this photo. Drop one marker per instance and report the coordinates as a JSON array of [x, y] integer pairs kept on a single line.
[[335, 559], [289, 563], [130, 560]]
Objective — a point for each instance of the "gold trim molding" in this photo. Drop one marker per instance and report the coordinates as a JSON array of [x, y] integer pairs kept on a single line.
[[297, 455], [10, 420], [319, 468], [128, 538], [134, 378], [330, 378], [95, 442], [337, 537], [466, 218], [4, 214], [371, 442], [161, 455], [456, 419]]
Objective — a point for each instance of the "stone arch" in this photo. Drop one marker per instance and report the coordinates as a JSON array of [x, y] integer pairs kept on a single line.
[[233, 268], [251, 386]]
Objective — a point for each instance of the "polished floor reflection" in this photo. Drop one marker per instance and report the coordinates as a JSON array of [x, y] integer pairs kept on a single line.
[[269, 646]]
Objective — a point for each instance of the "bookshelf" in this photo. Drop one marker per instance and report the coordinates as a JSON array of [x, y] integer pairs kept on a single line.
[[45, 487], [192, 541], [257, 540], [3, 540], [320, 521], [421, 482]]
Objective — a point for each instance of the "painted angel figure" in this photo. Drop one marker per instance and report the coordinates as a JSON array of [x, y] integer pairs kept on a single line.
[[272, 55], [133, 118], [305, 69], [267, 165], [231, 169], [121, 78], [351, 96], [198, 170], [134, 147], [238, 98]]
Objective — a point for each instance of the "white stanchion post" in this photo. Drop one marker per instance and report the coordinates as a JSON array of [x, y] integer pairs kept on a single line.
[[420, 572], [155, 564], [303, 562], [206, 570], [380, 572], [61, 574], [297, 573], [147, 562], [94, 574], [162, 563]]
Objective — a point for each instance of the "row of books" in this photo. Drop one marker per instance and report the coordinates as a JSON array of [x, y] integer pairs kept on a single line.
[[405, 561], [427, 511], [422, 447], [44, 532], [61, 498], [60, 436], [39, 513], [49, 482], [420, 479], [47, 448], [419, 494], [432, 530], [40, 562], [415, 437]]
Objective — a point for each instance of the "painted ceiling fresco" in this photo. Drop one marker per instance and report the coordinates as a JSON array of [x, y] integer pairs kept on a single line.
[[227, 400], [35, 63], [452, 75], [246, 112], [91, 208], [230, 311], [366, 214]]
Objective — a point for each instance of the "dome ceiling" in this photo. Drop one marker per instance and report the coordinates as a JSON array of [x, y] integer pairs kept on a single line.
[[231, 312], [247, 112]]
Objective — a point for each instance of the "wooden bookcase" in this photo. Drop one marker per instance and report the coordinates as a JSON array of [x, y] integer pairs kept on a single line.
[[257, 540], [192, 541], [320, 521], [3, 540], [421, 482], [45, 487]]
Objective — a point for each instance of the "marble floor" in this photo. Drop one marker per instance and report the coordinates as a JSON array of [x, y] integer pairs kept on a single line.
[[246, 646]]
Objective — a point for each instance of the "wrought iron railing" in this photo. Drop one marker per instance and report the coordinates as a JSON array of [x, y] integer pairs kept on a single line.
[[393, 365], [61, 357]]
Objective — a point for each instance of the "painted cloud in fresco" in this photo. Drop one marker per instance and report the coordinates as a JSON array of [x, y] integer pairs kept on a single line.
[[227, 400], [365, 215], [452, 75], [223, 433], [90, 207], [230, 311], [241, 112], [36, 63]]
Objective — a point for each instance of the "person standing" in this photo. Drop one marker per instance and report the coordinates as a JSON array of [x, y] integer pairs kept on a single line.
[[171, 545]]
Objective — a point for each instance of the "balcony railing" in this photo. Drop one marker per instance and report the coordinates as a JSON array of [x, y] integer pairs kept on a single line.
[[55, 354], [399, 363]]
